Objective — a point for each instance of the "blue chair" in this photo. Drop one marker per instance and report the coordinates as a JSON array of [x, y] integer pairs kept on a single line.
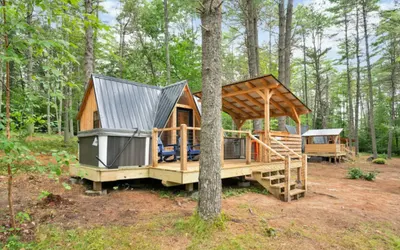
[[191, 151], [165, 154]]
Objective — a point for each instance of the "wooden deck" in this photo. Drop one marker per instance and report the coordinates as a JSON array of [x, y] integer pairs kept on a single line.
[[171, 174]]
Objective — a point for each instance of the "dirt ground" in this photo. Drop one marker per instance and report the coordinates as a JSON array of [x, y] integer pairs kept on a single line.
[[336, 213]]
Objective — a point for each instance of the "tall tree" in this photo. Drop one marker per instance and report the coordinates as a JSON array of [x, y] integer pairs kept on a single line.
[[89, 52], [288, 41], [341, 10], [8, 121], [166, 41], [358, 80], [210, 189], [252, 46], [281, 54], [366, 5]]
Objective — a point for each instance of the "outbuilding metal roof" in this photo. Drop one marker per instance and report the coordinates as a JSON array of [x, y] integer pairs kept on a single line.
[[125, 104], [323, 132]]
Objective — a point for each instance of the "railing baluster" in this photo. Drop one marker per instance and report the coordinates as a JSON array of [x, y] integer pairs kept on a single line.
[[287, 178], [154, 147], [183, 147]]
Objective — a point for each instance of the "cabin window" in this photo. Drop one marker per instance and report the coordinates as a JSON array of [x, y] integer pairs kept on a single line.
[[96, 119]]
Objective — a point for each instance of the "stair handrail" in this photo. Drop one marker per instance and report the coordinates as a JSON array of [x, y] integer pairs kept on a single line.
[[286, 147], [266, 146]]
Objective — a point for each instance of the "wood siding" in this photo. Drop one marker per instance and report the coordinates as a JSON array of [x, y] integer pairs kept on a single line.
[[86, 121], [322, 148]]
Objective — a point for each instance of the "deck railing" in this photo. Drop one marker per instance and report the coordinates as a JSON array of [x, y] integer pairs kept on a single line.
[[183, 133]]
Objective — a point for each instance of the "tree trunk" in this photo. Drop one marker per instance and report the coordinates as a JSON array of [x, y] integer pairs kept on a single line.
[[370, 90], [305, 74], [358, 87], [348, 72], [251, 38], [88, 60], [48, 112], [8, 131], [288, 39], [210, 189], [1, 87], [166, 42], [393, 96], [281, 55], [66, 116], [30, 50], [71, 123]]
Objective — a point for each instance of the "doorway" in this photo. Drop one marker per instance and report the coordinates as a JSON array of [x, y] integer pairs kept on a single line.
[[185, 116]]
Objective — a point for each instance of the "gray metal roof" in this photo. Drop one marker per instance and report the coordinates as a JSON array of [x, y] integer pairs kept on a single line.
[[124, 104], [293, 130], [323, 132], [168, 98]]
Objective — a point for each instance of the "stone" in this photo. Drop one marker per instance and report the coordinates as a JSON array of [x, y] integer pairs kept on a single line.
[[244, 184]]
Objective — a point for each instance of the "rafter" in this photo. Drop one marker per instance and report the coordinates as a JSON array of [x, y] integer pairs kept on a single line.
[[243, 103]]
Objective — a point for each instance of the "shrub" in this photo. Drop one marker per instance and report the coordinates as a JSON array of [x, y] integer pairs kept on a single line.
[[355, 173], [370, 176], [379, 161], [383, 156]]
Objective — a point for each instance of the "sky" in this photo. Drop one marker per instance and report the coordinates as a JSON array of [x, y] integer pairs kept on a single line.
[[113, 9]]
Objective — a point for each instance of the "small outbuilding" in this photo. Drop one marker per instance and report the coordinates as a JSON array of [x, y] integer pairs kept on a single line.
[[326, 143]]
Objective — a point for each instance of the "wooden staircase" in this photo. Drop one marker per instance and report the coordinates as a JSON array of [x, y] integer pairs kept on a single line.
[[275, 181], [276, 177]]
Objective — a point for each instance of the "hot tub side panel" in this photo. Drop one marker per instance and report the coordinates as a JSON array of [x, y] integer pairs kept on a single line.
[[136, 153], [88, 152]]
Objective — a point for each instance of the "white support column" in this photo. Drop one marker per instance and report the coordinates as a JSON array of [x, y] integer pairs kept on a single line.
[[147, 152], [103, 145]]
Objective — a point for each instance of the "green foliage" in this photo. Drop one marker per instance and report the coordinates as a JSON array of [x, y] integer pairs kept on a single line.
[[199, 228], [22, 217], [43, 195], [14, 243], [379, 161], [355, 173], [231, 192], [370, 176]]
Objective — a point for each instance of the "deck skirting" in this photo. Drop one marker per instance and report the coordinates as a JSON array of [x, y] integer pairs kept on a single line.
[[170, 173]]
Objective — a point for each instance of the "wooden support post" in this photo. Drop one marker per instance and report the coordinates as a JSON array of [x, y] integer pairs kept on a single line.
[[154, 147], [267, 124], [189, 187], [303, 172], [287, 178], [222, 149], [261, 150], [173, 132], [248, 149], [183, 147], [97, 186]]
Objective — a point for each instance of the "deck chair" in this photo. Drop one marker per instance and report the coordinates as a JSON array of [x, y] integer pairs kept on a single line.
[[191, 151], [165, 154]]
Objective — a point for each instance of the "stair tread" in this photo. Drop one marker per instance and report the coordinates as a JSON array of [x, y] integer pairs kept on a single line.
[[281, 185], [297, 191], [274, 177]]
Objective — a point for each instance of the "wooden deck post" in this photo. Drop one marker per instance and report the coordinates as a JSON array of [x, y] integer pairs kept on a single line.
[[248, 148], [267, 124], [154, 147], [222, 149], [183, 147], [303, 175], [287, 178], [173, 132]]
